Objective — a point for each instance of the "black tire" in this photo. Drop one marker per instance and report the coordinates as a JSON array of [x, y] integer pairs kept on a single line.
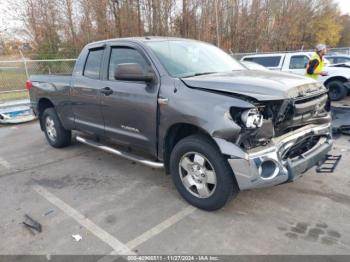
[[226, 186], [62, 136], [337, 90]]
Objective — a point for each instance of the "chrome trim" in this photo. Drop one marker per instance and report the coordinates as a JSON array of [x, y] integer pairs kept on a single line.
[[247, 170], [278, 142], [163, 101], [114, 151], [275, 172]]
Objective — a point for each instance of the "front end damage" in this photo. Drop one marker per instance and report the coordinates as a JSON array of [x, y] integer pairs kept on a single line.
[[295, 136], [284, 159], [283, 129]]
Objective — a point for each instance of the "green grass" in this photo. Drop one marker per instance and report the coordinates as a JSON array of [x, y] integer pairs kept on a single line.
[[12, 80], [13, 96], [13, 76]]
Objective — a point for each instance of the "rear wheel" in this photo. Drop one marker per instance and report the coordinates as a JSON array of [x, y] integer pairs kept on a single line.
[[201, 174], [337, 90], [55, 133]]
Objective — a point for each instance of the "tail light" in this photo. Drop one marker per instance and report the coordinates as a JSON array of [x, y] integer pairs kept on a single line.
[[29, 85]]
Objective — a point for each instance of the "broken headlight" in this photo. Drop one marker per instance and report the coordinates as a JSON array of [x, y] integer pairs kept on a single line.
[[252, 118]]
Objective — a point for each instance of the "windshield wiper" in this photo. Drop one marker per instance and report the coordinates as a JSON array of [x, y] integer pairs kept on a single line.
[[200, 74]]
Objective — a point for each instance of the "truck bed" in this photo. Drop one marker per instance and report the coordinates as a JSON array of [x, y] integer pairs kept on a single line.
[[51, 78]]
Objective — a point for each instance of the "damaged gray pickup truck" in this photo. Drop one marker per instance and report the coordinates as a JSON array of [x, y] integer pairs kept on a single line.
[[190, 108]]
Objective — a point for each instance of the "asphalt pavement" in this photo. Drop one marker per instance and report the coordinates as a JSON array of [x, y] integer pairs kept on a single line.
[[117, 206]]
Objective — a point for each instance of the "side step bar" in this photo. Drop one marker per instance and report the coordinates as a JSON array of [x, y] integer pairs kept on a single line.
[[114, 151]]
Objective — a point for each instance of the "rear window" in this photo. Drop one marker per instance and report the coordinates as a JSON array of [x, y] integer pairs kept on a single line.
[[267, 61], [298, 62], [93, 64]]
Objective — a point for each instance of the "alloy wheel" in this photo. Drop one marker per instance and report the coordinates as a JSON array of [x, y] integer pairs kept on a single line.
[[50, 128], [197, 175]]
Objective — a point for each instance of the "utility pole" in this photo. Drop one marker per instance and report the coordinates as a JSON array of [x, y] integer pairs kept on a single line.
[[184, 29], [217, 24], [24, 62]]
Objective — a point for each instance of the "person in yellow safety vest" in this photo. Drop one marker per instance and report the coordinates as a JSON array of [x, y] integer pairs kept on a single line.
[[316, 63]]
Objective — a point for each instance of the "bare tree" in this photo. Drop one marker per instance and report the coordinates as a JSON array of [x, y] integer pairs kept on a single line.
[[237, 25]]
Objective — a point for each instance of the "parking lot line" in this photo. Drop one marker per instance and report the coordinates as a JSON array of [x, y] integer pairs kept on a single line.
[[152, 232], [4, 163], [160, 227], [118, 246]]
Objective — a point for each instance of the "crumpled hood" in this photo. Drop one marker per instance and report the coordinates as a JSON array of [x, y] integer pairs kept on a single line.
[[261, 85]]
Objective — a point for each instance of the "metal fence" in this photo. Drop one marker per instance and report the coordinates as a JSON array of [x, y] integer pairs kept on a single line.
[[14, 73]]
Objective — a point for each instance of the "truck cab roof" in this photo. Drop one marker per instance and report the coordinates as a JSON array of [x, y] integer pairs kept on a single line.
[[138, 40]]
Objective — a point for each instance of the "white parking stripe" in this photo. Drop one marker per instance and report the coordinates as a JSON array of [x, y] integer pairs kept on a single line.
[[118, 247], [160, 227], [152, 232], [4, 163]]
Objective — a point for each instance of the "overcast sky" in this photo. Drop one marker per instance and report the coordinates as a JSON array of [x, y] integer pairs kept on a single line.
[[8, 18], [344, 6]]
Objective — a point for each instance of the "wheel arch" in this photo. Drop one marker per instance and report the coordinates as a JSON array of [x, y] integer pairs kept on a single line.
[[342, 90], [335, 78], [175, 133], [43, 104]]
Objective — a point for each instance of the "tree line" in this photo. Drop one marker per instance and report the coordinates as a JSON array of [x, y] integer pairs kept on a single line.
[[63, 27]]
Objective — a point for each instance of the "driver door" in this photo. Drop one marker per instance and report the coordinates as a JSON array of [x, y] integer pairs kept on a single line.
[[130, 108]]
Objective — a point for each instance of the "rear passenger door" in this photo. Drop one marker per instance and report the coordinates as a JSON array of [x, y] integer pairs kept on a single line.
[[130, 110], [86, 95]]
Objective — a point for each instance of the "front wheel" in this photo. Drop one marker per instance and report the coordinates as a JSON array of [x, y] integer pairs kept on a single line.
[[201, 174], [337, 90], [55, 133]]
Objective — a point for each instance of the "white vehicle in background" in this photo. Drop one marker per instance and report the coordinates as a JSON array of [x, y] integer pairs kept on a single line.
[[254, 66], [337, 81], [335, 59]]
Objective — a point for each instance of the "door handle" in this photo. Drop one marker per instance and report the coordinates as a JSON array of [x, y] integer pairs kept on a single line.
[[163, 101], [107, 91]]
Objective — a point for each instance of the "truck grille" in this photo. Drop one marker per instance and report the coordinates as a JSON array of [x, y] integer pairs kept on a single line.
[[299, 112], [303, 145], [310, 106]]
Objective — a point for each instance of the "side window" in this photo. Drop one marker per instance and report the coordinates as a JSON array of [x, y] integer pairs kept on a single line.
[[332, 60], [93, 63], [125, 55], [343, 60], [267, 61], [298, 62]]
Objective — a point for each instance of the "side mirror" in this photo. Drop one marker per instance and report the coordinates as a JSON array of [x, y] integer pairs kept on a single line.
[[132, 72]]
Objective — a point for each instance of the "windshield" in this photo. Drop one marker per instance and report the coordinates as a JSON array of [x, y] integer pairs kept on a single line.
[[191, 58]]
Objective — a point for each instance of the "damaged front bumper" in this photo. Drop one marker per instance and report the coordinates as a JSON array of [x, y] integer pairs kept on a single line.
[[280, 161]]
